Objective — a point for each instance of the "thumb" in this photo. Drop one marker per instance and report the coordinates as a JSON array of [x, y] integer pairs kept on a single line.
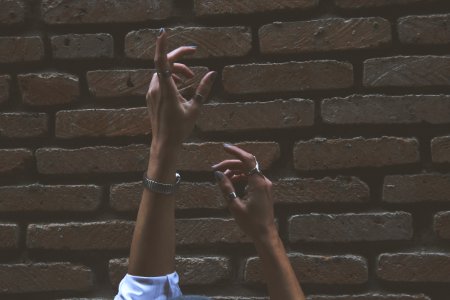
[[234, 203]]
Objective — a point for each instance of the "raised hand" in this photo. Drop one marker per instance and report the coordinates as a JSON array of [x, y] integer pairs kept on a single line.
[[254, 212], [172, 116]]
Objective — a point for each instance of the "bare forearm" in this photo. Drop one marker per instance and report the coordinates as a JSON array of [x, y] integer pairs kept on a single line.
[[153, 246], [280, 277]]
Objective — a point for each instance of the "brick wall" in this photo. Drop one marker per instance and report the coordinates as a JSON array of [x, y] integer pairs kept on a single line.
[[346, 103]]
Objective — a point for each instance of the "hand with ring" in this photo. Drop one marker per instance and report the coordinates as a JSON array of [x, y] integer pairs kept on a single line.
[[172, 116], [254, 211]]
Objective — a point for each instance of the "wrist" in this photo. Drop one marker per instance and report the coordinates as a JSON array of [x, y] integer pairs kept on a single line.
[[268, 238], [162, 163]]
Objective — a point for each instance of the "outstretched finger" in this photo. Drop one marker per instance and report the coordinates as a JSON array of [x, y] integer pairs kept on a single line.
[[247, 159], [183, 69], [229, 164], [162, 65], [203, 90], [178, 53]]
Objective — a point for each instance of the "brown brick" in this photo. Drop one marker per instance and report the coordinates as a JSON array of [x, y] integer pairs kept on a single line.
[[104, 11], [238, 298], [381, 109], [102, 122], [292, 113], [50, 198], [12, 12], [78, 46], [104, 235], [221, 7], [14, 49], [374, 296], [440, 149], [342, 269], [100, 159], [4, 88], [350, 227], [442, 224], [354, 4], [14, 160], [123, 83], [228, 41], [325, 190], [355, 152], [290, 77], [414, 267], [41, 277], [48, 88], [198, 270], [9, 236], [127, 196], [416, 188], [23, 125], [432, 29], [208, 231], [407, 71], [200, 157], [324, 35]]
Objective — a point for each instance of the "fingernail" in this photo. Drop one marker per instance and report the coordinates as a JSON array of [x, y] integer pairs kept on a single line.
[[161, 31], [192, 46], [227, 145], [218, 175]]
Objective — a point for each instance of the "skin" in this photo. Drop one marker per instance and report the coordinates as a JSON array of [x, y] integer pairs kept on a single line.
[[172, 119]]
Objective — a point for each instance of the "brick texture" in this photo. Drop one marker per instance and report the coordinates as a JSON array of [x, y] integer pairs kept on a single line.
[[374, 296], [102, 122], [203, 231], [13, 12], [350, 227], [414, 267], [442, 224], [104, 11], [224, 7], [228, 41], [50, 198], [199, 270], [41, 277], [101, 159], [4, 88], [14, 160], [416, 188], [191, 195], [9, 235], [344, 269], [353, 153], [324, 35], [77, 46], [325, 190], [122, 83], [440, 149], [290, 77], [23, 125], [16, 49], [424, 30], [377, 3], [43, 89], [80, 236], [381, 109], [278, 114], [407, 71]]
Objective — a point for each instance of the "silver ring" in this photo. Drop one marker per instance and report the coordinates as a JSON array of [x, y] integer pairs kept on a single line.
[[232, 196], [164, 73], [255, 170]]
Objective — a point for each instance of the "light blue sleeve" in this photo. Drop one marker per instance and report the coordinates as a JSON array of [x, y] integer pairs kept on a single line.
[[149, 288]]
